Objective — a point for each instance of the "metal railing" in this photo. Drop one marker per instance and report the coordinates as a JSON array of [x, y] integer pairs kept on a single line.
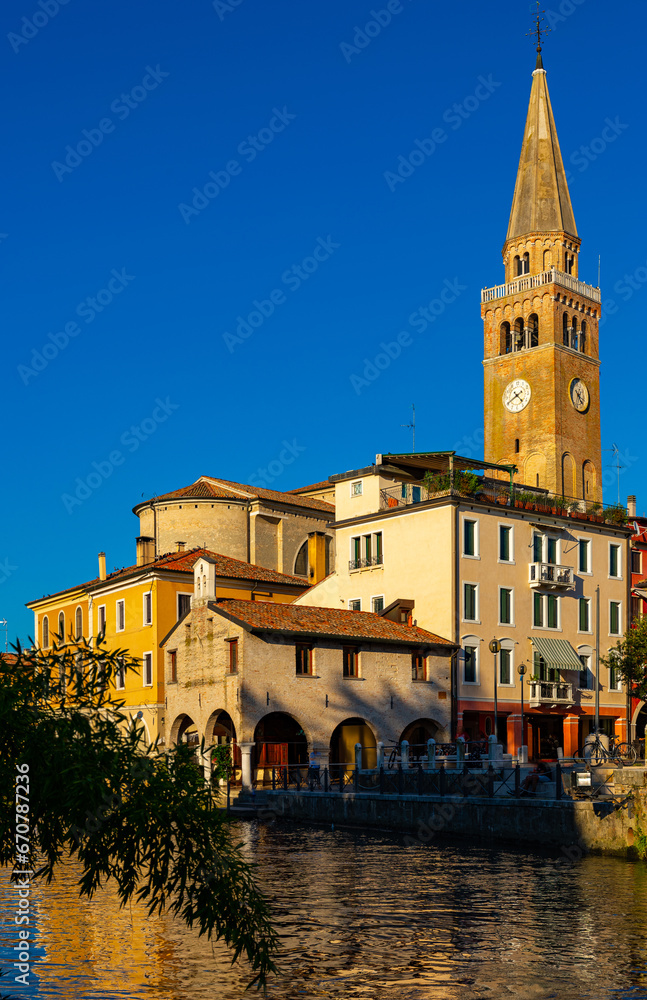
[[364, 563], [525, 282], [550, 575]]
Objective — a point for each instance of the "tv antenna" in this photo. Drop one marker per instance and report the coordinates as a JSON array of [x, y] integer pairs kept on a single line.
[[5, 625], [412, 425], [617, 465]]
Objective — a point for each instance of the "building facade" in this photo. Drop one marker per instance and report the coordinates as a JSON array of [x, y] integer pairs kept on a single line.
[[482, 566]]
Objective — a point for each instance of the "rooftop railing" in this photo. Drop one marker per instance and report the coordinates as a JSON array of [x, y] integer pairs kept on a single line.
[[528, 281]]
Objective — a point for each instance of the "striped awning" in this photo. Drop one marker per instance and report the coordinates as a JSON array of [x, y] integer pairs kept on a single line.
[[556, 653]]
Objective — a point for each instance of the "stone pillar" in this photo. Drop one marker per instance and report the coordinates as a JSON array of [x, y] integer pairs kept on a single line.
[[514, 732], [404, 753], [358, 756], [246, 765], [460, 752], [494, 749], [571, 735], [322, 756], [431, 754], [380, 755]]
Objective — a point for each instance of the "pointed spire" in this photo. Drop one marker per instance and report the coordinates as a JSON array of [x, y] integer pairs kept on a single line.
[[541, 202]]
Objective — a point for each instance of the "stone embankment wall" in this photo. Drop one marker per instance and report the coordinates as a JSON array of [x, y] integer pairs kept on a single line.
[[616, 827]]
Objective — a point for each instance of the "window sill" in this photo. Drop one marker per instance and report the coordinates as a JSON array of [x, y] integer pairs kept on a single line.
[[312, 677], [353, 678], [506, 625], [421, 680], [471, 621], [506, 562], [471, 683], [466, 556]]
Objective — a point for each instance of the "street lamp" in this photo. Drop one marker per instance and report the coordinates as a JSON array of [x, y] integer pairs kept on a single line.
[[495, 647], [521, 669]]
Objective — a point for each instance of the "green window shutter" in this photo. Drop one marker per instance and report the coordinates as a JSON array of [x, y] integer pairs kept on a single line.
[[538, 611]]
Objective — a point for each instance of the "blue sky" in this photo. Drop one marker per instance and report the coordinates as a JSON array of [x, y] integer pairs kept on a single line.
[[220, 147]]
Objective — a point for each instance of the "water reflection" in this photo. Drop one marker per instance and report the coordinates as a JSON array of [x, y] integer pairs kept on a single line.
[[361, 916]]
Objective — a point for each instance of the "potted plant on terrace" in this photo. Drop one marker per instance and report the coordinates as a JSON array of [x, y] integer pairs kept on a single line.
[[616, 514]]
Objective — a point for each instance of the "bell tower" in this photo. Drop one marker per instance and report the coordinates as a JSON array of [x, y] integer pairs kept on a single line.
[[541, 362]]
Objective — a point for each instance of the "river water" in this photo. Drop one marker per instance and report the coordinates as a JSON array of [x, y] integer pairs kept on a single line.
[[363, 916]]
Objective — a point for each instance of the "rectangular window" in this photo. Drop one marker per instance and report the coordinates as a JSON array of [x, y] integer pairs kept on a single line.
[[552, 612], [356, 489], [584, 555], [614, 560], [505, 606], [505, 666], [233, 656], [636, 609], [469, 667], [377, 605], [614, 618], [121, 616], [148, 669], [355, 605], [415, 494], [505, 546], [172, 663], [537, 611], [120, 678], [537, 548], [148, 608], [367, 549], [585, 615], [469, 538], [551, 550], [615, 679], [303, 659], [418, 672], [351, 665], [541, 670], [102, 619], [355, 552], [470, 602], [183, 605], [585, 672], [635, 561], [377, 537]]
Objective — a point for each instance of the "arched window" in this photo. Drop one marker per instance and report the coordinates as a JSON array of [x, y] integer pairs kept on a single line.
[[565, 332], [518, 335], [574, 334], [518, 266], [506, 339], [45, 628], [61, 626], [79, 623], [526, 263], [301, 563], [583, 337], [533, 324], [548, 260]]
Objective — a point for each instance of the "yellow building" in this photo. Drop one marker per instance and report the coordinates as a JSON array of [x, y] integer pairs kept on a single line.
[[134, 608]]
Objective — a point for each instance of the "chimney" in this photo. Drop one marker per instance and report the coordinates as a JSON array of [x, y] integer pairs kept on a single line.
[[102, 565], [180, 546], [145, 550], [631, 506]]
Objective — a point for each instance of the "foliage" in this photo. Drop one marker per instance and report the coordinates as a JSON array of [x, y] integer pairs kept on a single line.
[[616, 514], [629, 657], [524, 497], [594, 508], [143, 819], [440, 482], [221, 763]]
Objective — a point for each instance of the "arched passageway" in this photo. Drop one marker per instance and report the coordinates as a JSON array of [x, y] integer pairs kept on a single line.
[[280, 740], [343, 740]]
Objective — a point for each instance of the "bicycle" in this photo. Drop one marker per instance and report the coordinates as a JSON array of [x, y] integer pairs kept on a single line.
[[595, 752]]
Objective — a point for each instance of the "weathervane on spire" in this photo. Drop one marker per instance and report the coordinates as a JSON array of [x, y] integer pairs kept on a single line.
[[538, 31]]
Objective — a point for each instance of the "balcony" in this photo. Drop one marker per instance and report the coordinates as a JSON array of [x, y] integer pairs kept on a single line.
[[528, 281], [364, 563], [552, 693], [551, 575]]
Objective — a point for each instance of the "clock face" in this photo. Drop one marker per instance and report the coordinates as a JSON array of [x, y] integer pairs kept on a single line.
[[579, 395], [516, 395]]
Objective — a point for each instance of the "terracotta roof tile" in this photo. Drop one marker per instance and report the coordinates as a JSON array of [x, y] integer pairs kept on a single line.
[[224, 489], [183, 562], [306, 620], [314, 486]]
